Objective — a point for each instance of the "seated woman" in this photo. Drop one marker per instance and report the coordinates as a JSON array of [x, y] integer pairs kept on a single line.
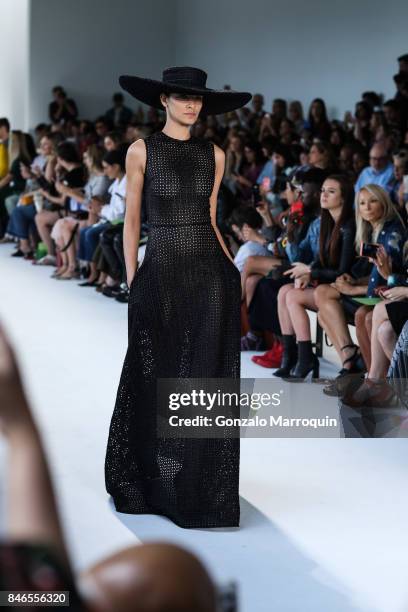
[[13, 183], [247, 175], [68, 171], [389, 316], [114, 165], [321, 156], [82, 214], [399, 360], [378, 222], [336, 256], [258, 288], [22, 218], [234, 160], [246, 223], [396, 186]]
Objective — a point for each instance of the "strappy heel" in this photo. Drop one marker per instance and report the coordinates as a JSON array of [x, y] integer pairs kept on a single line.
[[356, 361], [348, 379]]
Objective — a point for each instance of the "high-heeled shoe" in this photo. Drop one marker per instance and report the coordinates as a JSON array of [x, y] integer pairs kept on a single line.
[[289, 357], [355, 360], [307, 362], [347, 378]]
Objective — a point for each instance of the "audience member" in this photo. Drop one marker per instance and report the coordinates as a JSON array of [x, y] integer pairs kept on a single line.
[[119, 115], [62, 108], [379, 172]]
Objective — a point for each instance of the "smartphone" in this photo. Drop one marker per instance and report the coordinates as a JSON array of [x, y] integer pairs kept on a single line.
[[368, 250], [256, 195], [266, 183], [405, 183]]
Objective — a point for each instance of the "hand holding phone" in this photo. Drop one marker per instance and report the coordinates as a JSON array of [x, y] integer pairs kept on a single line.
[[369, 250]]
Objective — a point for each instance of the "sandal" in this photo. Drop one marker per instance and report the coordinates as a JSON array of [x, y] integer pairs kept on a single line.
[[58, 271], [347, 377], [71, 274], [47, 260], [356, 361]]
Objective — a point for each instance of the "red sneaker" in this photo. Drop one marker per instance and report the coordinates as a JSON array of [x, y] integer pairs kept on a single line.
[[270, 359]]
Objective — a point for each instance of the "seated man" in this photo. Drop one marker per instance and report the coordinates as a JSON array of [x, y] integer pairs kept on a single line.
[[379, 172]]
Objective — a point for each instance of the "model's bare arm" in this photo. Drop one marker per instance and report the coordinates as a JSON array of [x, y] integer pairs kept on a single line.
[[135, 167], [219, 173]]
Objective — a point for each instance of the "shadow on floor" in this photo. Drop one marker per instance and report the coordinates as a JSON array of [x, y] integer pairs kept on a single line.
[[271, 572]]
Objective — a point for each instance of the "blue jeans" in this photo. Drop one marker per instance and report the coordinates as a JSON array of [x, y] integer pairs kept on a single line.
[[21, 221], [89, 240]]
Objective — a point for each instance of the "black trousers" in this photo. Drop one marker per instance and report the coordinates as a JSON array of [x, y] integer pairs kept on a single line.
[[263, 309], [111, 243]]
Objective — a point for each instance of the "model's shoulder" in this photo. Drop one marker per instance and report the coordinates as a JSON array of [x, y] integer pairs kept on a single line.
[[136, 156], [137, 151], [218, 152]]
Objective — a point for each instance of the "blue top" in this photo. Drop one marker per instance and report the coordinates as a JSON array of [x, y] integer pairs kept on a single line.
[[308, 248], [382, 178], [267, 171], [392, 237]]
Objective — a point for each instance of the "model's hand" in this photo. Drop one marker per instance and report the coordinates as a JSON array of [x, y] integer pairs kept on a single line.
[[14, 411], [396, 294]]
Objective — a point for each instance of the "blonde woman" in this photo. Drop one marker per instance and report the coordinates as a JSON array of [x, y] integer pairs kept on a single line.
[[377, 221], [42, 172], [13, 182]]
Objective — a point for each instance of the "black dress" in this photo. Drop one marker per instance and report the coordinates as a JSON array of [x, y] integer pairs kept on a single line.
[[183, 322]]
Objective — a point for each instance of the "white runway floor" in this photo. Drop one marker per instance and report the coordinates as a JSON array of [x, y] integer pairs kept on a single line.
[[324, 521]]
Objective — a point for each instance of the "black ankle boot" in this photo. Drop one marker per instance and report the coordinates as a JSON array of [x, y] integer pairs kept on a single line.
[[290, 355], [307, 362]]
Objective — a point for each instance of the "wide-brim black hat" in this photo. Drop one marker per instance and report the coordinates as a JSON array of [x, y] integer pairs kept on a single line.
[[184, 79]]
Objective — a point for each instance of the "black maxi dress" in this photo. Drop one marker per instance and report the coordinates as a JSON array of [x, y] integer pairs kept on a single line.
[[183, 322]]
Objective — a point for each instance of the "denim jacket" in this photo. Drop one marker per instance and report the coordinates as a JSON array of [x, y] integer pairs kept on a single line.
[[308, 248], [392, 237]]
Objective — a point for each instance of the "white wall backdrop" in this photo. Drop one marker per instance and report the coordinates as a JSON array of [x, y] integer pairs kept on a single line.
[[297, 51], [85, 45], [14, 41]]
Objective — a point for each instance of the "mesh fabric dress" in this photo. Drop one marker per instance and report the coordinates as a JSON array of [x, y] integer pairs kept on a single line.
[[183, 322]]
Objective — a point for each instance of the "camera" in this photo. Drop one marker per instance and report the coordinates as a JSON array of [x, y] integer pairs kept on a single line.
[[368, 250]]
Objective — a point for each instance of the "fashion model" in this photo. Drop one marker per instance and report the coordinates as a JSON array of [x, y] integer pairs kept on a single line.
[[184, 310]]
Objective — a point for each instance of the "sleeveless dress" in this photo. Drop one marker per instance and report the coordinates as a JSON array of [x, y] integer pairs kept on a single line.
[[183, 322]]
